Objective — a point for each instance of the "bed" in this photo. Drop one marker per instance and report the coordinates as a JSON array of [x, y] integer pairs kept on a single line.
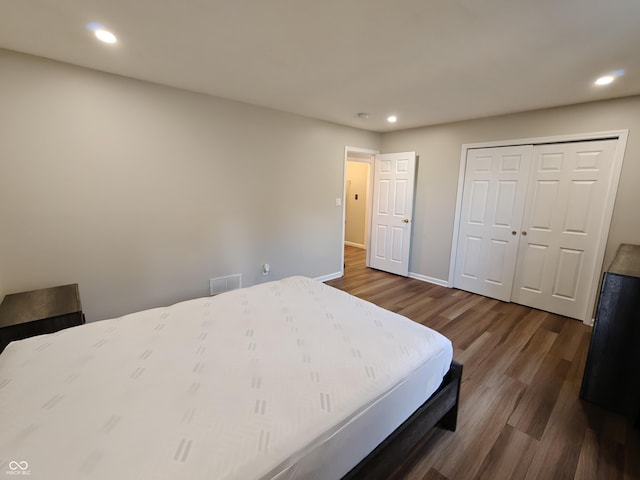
[[283, 380]]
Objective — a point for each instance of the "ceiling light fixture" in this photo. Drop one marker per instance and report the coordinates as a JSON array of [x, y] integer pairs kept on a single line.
[[101, 33], [105, 36], [606, 80], [392, 119]]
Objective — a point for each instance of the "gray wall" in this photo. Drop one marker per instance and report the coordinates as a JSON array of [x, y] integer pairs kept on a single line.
[[141, 193], [439, 148]]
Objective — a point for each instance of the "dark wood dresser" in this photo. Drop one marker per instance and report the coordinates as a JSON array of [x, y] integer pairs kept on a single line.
[[32, 313], [612, 372]]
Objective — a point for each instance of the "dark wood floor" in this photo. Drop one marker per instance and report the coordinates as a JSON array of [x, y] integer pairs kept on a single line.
[[521, 416]]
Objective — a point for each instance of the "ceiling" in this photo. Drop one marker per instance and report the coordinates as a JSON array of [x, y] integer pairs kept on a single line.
[[426, 61]]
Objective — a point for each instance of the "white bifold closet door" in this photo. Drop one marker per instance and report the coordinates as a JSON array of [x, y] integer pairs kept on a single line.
[[534, 237], [495, 187], [564, 221]]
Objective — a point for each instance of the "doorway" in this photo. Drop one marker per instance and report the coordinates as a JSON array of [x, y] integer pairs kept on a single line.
[[388, 225], [358, 163], [357, 191]]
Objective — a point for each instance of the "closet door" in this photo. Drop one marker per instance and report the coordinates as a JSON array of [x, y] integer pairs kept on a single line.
[[563, 226], [493, 198]]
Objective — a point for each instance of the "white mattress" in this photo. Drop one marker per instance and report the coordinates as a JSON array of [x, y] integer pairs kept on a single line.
[[290, 379]]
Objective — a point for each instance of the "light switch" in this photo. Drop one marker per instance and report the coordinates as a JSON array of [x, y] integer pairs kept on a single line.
[[338, 202]]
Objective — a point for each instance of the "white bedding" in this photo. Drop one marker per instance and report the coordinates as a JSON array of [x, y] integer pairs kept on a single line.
[[290, 379]]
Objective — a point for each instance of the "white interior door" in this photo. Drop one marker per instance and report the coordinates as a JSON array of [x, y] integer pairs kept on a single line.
[[392, 216], [564, 224], [495, 185]]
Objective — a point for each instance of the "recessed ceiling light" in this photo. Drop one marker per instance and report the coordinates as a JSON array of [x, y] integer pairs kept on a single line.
[[392, 119], [606, 80], [105, 36], [101, 33]]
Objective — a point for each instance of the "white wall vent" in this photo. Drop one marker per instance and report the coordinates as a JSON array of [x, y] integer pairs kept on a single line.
[[225, 284]]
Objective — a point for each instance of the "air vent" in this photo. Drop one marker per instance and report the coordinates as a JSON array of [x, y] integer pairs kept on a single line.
[[225, 284]]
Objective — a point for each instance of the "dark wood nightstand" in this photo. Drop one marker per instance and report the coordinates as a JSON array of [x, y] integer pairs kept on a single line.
[[33, 313]]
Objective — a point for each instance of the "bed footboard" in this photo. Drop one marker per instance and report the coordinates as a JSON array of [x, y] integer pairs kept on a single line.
[[440, 409]]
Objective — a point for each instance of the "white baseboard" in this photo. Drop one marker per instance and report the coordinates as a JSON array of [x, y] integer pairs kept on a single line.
[[330, 276], [417, 276], [424, 278], [357, 245]]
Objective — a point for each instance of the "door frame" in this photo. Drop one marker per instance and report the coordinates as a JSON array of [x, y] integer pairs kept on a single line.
[[365, 155], [620, 135]]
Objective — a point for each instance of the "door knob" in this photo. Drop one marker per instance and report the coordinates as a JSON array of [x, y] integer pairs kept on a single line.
[[524, 233], [406, 220], [514, 232]]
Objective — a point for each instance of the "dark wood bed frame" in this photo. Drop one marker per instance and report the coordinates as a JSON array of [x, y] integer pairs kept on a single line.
[[440, 409]]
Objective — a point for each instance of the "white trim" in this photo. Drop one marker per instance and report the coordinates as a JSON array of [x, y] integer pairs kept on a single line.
[[424, 278], [356, 245], [575, 137], [365, 151], [621, 145], [456, 218], [330, 276], [618, 158]]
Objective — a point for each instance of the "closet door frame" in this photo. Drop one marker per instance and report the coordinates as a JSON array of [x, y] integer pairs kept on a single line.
[[619, 135]]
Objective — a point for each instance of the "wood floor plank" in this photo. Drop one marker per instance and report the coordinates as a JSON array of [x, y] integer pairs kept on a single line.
[[534, 409], [520, 415], [468, 326], [485, 304], [444, 304], [473, 356], [510, 456], [612, 440], [569, 337], [437, 322], [587, 468], [416, 308], [463, 305], [574, 377], [555, 323], [496, 405], [560, 446], [514, 339], [433, 474], [526, 364]]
